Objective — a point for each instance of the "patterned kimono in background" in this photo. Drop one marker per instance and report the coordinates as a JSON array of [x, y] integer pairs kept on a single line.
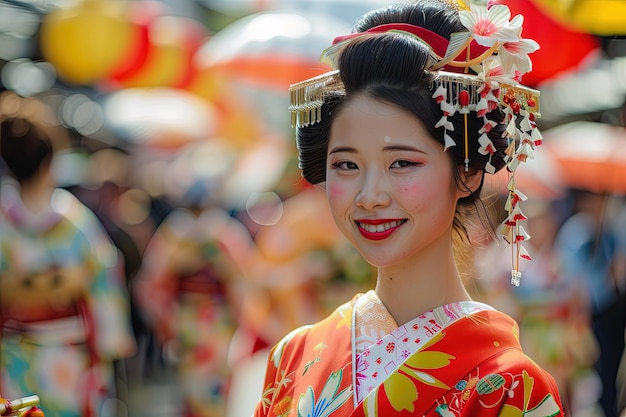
[[183, 289], [461, 359], [63, 306]]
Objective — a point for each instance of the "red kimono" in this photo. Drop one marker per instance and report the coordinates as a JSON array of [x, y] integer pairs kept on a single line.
[[462, 359]]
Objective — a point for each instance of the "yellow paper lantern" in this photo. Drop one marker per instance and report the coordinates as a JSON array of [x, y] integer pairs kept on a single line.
[[87, 41], [599, 17]]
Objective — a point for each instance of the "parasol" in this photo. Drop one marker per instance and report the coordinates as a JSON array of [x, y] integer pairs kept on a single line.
[[160, 117], [590, 155], [538, 177], [349, 10], [273, 48]]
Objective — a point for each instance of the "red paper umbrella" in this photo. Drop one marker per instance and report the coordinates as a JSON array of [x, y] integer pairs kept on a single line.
[[590, 155], [274, 48], [540, 176], [563, 47]]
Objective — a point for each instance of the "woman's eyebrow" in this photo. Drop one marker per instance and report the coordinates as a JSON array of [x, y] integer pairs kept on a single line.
[[338, 149], [392, 148]]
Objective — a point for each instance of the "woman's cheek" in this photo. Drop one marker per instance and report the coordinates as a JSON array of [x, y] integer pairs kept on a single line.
[[335, 191], [411, 191], [415, 195]]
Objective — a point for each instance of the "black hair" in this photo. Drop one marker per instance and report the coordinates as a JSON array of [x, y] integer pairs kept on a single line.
[[24, 147]]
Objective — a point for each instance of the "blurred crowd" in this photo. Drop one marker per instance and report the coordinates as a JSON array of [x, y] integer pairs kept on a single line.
[[148, 277], [109, 288], [571, 304]]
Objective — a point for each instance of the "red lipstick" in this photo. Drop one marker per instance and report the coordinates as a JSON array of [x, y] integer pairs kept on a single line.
[[391, 225]]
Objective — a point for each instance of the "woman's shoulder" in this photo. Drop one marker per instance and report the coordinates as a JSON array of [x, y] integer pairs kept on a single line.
[[513, 381], [495, 345], [336, 327], [340, 317]]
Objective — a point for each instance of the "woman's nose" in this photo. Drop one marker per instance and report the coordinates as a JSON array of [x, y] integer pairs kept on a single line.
[[374, 192]]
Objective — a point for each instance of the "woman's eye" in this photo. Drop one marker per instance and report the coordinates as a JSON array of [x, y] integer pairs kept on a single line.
[[403, 164], [345, 165]]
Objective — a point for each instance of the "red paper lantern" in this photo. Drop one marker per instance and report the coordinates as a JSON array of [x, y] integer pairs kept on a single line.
[[139, 14], [172, 43]]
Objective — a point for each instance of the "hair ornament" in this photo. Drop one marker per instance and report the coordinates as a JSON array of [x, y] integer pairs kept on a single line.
[[478, 70], [306, 97]]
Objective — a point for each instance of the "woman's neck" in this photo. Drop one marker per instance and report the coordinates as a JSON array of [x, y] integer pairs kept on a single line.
[[35, 193], [429, 282]]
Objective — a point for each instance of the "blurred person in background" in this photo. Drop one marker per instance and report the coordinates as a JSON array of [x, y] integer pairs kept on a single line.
[[107, 188], [302, 271], [620, 385], [190, 285], [64, 308], [554, 327], [588, 243]]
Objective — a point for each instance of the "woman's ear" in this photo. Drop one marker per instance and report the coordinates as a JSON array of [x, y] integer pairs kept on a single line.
[[470, 181]]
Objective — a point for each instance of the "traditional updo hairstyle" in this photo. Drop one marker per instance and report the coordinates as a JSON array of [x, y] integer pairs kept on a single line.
[[29, 136], [393, 67]]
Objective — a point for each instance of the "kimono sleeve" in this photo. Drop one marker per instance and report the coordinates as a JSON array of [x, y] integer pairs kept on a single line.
[[276, 374], [510, 385], [107, 301]]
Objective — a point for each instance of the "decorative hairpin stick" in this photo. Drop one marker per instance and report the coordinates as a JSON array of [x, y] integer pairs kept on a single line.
[[22, 407]]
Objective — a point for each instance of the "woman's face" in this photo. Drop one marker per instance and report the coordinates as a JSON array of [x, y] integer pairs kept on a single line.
[[390, 186]]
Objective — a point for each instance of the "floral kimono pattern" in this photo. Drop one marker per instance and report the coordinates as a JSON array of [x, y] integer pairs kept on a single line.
[[185, 291], [63, 306], [467, 362]]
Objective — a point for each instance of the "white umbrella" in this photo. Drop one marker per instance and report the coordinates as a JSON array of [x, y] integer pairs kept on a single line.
[[348, 10], [273, 48], [159, 117]]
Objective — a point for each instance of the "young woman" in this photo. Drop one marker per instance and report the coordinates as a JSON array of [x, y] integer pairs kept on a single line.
[[423, 100]]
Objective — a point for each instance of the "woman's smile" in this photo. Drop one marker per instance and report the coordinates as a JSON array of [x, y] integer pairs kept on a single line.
[[389, 183], [378, 229]]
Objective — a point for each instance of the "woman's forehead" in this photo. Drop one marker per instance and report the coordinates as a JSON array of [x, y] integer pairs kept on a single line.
[[368, 116]]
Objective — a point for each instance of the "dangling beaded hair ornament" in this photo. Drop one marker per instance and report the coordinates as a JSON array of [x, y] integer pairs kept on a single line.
[[493, 48]]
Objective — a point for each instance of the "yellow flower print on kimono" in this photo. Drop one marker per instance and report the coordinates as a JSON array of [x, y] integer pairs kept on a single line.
[[400, 389]]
